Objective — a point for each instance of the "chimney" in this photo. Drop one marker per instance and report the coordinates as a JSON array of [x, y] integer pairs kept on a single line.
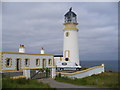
[[42, 51], [22, 49], [102, 65]]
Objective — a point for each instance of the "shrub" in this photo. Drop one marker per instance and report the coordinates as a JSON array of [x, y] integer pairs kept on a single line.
[[59, 75], [110, 71]]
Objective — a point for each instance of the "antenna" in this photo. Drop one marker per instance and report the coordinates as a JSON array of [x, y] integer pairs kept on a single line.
[[70, 9]]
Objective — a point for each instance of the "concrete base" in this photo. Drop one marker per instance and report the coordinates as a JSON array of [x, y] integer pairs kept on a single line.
[[53, 72], [26, 73]]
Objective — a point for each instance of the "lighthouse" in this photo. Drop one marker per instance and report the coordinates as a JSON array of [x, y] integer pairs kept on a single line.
[[71, 49]]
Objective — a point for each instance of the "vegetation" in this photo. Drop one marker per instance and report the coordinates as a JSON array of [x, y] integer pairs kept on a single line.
[[103, 80], [47, 72], [23, 83]]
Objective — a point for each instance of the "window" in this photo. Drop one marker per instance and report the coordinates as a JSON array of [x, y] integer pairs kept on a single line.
[[60, 58], [50, 62], [18, 64], [67, 53], [67, 34], [44, 63], [64, 63], [37, 62], [66, 59], [27, 62], [8, 62]]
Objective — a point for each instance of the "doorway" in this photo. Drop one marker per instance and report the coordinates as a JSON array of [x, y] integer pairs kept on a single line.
[[44, 63], [18, 60]]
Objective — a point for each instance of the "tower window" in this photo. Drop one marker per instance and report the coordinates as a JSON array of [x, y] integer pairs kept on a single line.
[[67, 34], [67, 53], [66, 59]]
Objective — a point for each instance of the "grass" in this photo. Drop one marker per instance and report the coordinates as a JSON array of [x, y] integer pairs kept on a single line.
[[103, 80], [23, 83]]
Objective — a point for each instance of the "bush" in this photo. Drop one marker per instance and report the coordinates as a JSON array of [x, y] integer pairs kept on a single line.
[[59, 75], [110, 71]]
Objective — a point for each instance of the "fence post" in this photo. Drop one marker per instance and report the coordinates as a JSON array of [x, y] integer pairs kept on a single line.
[[103, 70], [53, 72], [26, 73]]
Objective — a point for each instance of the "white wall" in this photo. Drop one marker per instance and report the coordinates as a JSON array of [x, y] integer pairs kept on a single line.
[[56, 60], [86, 73], [70, 64], [53, 72], [21, 50], [23, 56], [71, 44]]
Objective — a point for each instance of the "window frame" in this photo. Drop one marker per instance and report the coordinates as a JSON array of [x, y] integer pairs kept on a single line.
[[20, 59], [50, 62], [38, 62], [67, 34], [28, 62], [44, 64], [10, 62]]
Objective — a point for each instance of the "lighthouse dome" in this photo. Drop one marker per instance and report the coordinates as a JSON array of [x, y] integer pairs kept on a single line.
[[70, 17], [70, 13]]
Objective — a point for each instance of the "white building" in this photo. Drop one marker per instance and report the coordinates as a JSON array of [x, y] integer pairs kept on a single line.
[[70, 59], [21, 61]]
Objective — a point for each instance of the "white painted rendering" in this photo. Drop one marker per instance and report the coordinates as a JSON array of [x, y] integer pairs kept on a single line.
[[58, 60], [26, 73], [21, 50], [71, 45], [53, 72], [42, 51], [32, 59], [86, 73], [32, 63]]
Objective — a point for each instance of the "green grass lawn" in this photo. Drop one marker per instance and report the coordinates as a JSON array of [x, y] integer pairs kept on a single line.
[[23, 83], [103, 80]]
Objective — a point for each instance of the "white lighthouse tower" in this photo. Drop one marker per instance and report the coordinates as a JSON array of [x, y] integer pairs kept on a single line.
[[71, 50]]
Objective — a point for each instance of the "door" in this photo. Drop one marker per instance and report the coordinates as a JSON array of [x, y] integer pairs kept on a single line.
[[44, 63], [18, 64]]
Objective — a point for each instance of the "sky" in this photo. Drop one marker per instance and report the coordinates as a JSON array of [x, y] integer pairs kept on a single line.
[[40, 24]]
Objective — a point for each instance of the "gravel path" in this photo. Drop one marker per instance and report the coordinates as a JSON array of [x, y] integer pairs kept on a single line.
[[56, 84]]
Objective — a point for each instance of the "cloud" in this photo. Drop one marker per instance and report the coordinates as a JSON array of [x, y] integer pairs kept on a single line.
[[40, 24]]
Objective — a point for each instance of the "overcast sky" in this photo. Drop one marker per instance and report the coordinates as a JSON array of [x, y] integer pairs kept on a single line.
[[40, 24]]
